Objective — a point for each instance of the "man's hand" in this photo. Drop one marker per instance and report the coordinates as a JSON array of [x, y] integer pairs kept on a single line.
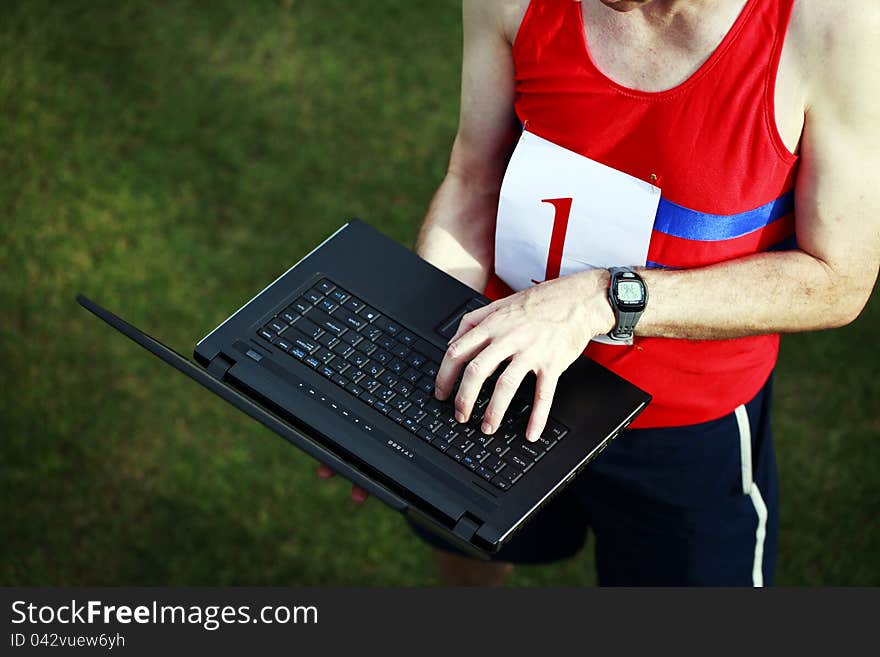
[[358, 494], [542, 329]]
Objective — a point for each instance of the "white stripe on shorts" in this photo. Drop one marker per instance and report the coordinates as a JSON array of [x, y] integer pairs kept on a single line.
[[750, 488]]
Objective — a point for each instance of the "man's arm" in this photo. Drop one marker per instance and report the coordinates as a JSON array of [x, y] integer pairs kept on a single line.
[[824, 284], [457, 234], [828, 281]]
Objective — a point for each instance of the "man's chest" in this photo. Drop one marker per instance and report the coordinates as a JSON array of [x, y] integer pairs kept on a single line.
[[722, 174], [653, 58]]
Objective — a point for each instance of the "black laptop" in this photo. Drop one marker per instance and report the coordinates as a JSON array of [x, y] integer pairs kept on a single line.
[[338, 356]]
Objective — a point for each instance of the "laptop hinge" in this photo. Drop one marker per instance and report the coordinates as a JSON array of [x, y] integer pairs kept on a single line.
[[219, 366], [466, 527]]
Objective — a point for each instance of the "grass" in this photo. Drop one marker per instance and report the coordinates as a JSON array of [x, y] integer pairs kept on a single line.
[[169, 159]]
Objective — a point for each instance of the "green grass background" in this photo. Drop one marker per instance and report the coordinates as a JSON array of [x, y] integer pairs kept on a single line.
[[170, 158]]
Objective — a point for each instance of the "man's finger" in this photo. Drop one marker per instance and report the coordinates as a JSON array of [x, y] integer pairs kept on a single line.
[[359, 495], [471, 319], [475, 374], [544, 391], [324, 472], [457, 354], [505, 388]]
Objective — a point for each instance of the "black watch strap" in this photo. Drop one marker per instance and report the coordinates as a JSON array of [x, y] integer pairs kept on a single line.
[[625, 325]]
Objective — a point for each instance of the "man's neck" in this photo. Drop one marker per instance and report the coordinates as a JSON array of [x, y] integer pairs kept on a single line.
[[657, 44]]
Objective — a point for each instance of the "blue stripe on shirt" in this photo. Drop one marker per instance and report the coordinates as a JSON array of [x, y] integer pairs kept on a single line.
[[679, 221]]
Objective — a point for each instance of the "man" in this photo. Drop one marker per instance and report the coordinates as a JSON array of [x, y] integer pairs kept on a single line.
[[759, 121]]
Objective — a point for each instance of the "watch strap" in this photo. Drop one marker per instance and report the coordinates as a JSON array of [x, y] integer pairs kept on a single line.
[[626, 325]]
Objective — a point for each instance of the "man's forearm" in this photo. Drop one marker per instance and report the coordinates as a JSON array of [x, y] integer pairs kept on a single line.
[[457, 234], [765, 293]]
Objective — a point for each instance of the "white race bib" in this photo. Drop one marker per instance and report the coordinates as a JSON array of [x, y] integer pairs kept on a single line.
[[560, 213]]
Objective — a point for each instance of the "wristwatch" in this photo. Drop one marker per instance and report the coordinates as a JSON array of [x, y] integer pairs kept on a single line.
[[628, 296]]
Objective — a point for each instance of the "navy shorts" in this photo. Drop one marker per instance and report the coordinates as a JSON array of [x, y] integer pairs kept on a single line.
[[690, 505]]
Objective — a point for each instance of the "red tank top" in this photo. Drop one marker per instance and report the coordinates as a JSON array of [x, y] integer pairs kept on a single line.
[[712, 146]]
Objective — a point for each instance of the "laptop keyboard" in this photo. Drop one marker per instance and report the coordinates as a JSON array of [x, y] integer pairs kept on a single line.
[[378, 361]]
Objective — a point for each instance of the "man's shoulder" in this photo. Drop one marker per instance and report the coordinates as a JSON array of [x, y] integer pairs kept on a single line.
[[503, 15], [817, 19], [834, 39]]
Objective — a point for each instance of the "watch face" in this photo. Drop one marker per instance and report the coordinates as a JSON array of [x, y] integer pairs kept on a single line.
[[629, 292]]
